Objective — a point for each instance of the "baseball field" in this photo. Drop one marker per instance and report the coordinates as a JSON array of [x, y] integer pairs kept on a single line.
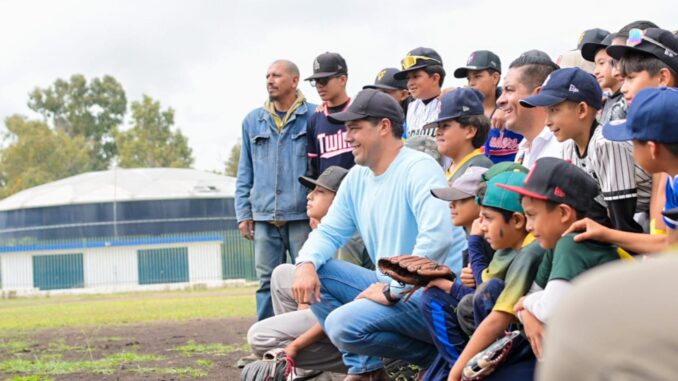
[[179, 335]]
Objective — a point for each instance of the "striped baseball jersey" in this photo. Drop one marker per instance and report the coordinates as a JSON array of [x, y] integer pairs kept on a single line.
[[419, 113]]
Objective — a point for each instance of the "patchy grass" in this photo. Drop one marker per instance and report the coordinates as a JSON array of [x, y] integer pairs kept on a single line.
[[181, 372], [75, 311], [53, 364], [15, 346], [204, 363], [30, 378], [192, 348]]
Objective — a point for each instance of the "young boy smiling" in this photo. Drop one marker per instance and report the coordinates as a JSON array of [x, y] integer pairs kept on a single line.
[[462, 130], [572, 97], [554, 195]]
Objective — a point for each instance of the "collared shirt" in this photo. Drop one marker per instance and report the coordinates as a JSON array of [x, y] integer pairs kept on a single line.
[[473, 159], [544, 145]]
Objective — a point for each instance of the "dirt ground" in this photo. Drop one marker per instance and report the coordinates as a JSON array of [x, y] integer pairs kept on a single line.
[[159, 338]]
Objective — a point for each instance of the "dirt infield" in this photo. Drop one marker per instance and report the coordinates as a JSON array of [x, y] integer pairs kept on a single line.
[[189, 350]]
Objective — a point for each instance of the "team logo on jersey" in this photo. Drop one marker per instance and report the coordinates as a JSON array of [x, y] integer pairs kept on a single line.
[[381, 74]]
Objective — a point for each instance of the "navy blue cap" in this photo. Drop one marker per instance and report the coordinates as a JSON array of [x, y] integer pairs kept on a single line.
[[385, 80], [416, 59], [463, 101], [370, 103], [569, 84], [652, 116]]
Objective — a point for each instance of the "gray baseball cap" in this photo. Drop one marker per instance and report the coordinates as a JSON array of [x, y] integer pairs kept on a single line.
[[330, 179], [370, 103], [465, 186], [385, 80]]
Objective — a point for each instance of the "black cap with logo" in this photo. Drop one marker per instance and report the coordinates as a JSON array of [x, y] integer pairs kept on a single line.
[[330, 179], [385, 80], [328, 65], [370, 103], [590, 49], [656, 42], [416, 59], [559, 181], [479, 60]]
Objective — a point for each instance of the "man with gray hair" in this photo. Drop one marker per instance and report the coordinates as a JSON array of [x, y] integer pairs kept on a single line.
[[270, 204]]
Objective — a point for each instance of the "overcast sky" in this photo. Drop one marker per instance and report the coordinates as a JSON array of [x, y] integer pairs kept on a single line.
[[207, 59]]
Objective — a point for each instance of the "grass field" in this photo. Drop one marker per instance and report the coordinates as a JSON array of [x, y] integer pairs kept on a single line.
[[138, 336]]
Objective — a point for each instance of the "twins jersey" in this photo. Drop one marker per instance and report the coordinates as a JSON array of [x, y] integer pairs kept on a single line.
[[612, 165], [326, 142]]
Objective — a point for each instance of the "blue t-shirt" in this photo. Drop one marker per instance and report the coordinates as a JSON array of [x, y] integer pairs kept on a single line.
[[671, 192], [394, 213]]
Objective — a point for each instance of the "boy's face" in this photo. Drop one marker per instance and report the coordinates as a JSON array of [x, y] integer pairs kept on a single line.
[[483, 81], [398, 95], [498, 233], [546, 225], [464, 211], [452, 138], [634, 82], [422, 85], [334, 87], [603, 71], [563, 120], [318, 202]]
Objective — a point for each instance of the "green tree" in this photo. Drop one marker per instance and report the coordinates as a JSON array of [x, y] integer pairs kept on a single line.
[[34, 154], [92, 110], [150, 141], [233, 161]]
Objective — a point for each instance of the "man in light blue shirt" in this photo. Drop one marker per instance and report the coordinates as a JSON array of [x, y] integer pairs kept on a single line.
[[387, 199]]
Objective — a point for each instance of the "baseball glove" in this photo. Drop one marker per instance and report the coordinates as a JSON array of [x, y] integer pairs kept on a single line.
[[414, 270], [276, 365], [485, 362]]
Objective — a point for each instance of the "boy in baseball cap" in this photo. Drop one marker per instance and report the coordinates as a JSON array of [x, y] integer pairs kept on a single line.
[[502, 282], [423, 69], [555, 194], [325, 140], [652, 126], [571, 98], [462, 130], [614, 107], [483, 72]]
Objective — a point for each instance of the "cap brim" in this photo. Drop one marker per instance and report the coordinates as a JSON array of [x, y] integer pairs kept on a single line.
[[312, 183], [321, 75], [462, 72], [589, 50], [345, 116], [403, 73], [381, 87], [619, 51], [450, 194], [617, 131], [522, 191], [438, 121], [541, 100]]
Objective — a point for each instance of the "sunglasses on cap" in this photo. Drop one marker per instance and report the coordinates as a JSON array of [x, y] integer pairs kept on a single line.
[[410, 61], [636, 36], [322, 81]]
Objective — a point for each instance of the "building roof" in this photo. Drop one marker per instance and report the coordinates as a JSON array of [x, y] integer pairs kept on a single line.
[[124, 185]]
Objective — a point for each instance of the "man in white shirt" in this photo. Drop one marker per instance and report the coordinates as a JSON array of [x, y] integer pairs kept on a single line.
[[525, 77]]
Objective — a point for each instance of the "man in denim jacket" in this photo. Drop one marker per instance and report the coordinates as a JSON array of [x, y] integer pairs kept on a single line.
[[268, 198]]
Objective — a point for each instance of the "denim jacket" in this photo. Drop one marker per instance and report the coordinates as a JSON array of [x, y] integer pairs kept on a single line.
[[267, 185]]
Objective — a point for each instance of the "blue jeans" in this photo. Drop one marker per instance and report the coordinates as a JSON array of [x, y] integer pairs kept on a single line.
[[366, 331], [271, 245]]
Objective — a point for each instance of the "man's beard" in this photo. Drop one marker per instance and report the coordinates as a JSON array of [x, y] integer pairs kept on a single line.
[[273, 98]]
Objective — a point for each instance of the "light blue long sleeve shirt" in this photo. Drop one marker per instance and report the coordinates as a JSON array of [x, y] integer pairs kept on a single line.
[[394, 213]]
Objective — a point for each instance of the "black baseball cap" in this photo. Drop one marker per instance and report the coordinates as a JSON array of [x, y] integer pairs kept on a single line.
[[463, 101], [659, 43], [479, 60], [595, 35], [370, 103], [559, 181], [416, 59], [569, 84], [385, 80], [330, 179], [328, 65], [590, 49]]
